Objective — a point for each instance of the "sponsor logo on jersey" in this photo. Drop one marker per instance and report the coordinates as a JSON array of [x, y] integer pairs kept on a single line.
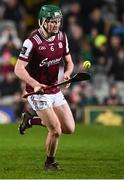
[[49, 63], [43, 62]]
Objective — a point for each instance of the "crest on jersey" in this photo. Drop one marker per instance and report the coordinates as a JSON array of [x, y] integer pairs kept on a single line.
[[60, 45]]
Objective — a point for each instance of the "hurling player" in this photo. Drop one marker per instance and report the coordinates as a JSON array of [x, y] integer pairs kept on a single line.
[[38, 65]]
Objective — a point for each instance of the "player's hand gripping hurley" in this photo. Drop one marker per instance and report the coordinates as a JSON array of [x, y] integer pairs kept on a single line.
[[77, 77]]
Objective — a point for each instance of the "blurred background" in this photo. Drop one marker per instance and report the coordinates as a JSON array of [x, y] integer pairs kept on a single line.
[[95, 30]]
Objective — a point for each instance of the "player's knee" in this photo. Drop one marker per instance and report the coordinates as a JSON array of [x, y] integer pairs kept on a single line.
[[57, 132], [69, 130]]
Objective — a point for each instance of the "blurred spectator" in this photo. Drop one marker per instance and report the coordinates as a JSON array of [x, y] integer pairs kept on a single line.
[[88, 96], [10, 45], [72, 12], [10, 93], [120, 10], [86, 51], [102, 66], [118, 29], [117, 67], [113, 98], [8, 32], [75, 40], [113, 46], [14, 11], [10, 85], [95, 21]]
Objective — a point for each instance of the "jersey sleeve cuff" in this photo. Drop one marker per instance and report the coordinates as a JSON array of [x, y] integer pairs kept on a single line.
[[66, 53], [23, 59]]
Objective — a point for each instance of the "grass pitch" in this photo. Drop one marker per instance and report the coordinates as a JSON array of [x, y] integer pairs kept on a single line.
[[91, 152]]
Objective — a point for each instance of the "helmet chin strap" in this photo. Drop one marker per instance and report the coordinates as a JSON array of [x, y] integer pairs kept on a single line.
[[46, 30], [50, 34]]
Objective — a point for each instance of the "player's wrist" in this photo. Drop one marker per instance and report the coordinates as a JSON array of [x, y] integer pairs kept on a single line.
[[35, 84], [66, 76], [67, 73]]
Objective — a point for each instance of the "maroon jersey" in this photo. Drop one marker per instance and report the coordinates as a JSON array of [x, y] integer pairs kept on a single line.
[[43, 57]]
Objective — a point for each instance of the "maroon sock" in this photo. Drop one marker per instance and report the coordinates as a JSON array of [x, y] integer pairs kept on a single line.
[[35, 121]]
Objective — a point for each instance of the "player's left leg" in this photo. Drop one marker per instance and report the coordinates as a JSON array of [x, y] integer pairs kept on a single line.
[[63, 113], [65, 117]]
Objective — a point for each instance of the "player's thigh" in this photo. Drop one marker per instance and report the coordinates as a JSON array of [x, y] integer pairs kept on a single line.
[[65, 117], [50, 119]]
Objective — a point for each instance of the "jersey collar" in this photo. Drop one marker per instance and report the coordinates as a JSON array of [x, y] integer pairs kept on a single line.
[[50, 39]]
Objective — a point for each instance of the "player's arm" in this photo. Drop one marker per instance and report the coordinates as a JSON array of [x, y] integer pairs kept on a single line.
[[20, 67], [22, 73], [68, 66], [67, 60]]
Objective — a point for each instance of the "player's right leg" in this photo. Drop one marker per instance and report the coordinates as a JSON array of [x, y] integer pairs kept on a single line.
[[28, 120], [42, 104], [26, 116], [54, 131]]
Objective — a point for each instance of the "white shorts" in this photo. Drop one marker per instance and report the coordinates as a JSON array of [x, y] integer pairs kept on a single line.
[[40, 102]]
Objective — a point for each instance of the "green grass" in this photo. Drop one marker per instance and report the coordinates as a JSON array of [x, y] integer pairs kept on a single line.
[[91, 152]]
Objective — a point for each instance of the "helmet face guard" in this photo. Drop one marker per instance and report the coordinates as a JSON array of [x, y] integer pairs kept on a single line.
[[47, 13]]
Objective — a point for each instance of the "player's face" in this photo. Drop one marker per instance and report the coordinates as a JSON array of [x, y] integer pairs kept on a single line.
[[53, 25]]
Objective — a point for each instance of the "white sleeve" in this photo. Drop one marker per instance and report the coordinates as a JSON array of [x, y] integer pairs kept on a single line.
[[26, 49], [66, 45]]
